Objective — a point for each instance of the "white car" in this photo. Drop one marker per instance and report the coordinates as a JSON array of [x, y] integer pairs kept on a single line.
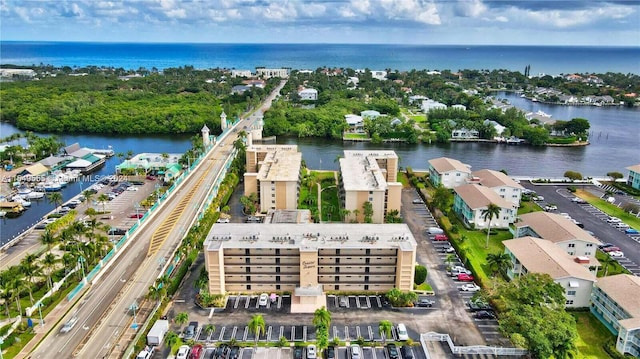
[[132, 189], [616, 254], [262, 301], [469, 287], [551, 207], [69, 325], [183, 352], [311, 352], [402, 332], [223, 220], [417, 201], [538, 198]]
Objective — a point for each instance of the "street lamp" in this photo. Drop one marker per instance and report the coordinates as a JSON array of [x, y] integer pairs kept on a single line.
[[1, 342], [134, 306], [40, 312]]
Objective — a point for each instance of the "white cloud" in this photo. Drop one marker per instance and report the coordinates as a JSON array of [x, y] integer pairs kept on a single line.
[[361, 6], [470, 8]]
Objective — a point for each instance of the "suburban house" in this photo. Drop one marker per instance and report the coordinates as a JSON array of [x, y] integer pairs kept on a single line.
[[534, 255], [502, 184], [465, 134], [615, 301], [355, 122], [268, 73], [308, 94], [273, 173], [240, 89], [498, 127], [633, 179], [417, 98], [448, 173], [379, 75], [308, 259], [370, 114], [428, 105], [470, 200], [560, 231], [459, 107], [370, 176], [241, 73]]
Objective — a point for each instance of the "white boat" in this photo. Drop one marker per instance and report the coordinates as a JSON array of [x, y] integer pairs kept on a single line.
[[24, 190], [3, 214], [52, 187], [21, 200], [35, 195]]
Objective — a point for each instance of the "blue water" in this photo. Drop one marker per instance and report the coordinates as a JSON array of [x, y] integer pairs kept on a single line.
[[543, 59]]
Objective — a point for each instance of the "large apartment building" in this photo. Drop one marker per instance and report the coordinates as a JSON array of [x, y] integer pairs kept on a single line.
[[370, 176], [308, 259], [273, 173]]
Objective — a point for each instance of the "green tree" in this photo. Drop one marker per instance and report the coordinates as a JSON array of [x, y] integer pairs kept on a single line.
[[615, 176], [209, 329], [322, 316], [47, 238], [492, 211], [88, 197], [257, 327], [420, 274], [55, 198], [606, 263], [442, 199], [103, 198], [367, 211], [29, 270], [49, 263], [573, 176], [182, 318], [384, 328], [499, 262]]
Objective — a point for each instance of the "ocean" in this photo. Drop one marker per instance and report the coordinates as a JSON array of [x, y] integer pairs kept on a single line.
[[550, 60]]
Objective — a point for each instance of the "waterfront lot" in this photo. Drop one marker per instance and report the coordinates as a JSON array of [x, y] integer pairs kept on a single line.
[[592, 219]]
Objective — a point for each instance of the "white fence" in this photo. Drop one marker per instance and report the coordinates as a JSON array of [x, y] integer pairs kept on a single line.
[[472, 349]]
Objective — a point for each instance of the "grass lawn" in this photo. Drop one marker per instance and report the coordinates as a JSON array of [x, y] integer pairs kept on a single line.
[[402, 178], [476, 253], [528, 207], [330, 201], [591, 336], [609, 209], [355, 136], [613, 268], [424, 287]]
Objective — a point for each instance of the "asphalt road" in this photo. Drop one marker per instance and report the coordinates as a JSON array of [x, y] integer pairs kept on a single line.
[[104, 311], [561, 197]]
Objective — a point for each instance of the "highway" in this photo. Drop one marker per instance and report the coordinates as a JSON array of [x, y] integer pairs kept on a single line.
[[104, 312]]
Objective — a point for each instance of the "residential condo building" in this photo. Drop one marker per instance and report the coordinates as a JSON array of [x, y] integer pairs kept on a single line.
[[448, 173], [471, 200], [633, 179]]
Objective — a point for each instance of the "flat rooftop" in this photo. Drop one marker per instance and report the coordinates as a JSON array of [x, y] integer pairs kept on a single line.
[[372, 153], [280, 166], [310, 236], [362, 174], [270, 148]]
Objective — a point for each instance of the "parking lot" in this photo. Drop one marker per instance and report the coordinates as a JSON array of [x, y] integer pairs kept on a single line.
[[593, 220]]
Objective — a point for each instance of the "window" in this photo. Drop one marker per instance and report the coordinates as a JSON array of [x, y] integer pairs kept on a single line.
[[572, 245], [569, 302], [277, 286], [458, 174], [247, 269], [277, 269], [572, 253], [589, 244], [502, 190], [587, 253], [571, 292], [277, 279]]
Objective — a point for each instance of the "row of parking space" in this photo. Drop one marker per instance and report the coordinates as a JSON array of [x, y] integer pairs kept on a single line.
[[335, 302], [341, 353], [423, 212], [245, 353], [252, 302], [293, 333]]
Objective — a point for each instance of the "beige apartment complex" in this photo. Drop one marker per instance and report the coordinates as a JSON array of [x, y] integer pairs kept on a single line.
[[308, 259], [370, 176], [273, 173]]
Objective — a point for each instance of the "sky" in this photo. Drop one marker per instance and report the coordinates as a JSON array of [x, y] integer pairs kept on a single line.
[[439, 22]]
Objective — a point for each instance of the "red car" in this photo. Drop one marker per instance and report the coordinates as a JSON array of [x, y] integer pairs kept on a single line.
[[463, 277], [136, 215], [440, 237], [196, 352], [611, 249]]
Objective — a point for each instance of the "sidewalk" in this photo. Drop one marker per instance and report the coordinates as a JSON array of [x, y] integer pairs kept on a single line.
[[50, 322]]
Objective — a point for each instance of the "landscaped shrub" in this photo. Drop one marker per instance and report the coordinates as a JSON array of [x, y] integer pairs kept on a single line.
[[420, 274]]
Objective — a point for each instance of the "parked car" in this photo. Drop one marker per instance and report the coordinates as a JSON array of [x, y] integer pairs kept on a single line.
[[469, 287], [631, 231], [356, 351], [132, 189], [621, 225], [605, 245], [392, 350], [189, 332], [223, 220], [151, 178], [298, 353], [117, 232], [485, 314], [425, 303], [234, 352], [463, 277], [538, 198], [613, 220], [311, 352], [578, 200], [343, 301], [264, 298], [440, 237], [478, 305], [407, 352], [196, 351], [222, 351], [136, 215], [402, 332], [417, 201], [449, 250], [330, 352], [550, 208], [434, 230], [611, 249], [183, 352], [616, 254]]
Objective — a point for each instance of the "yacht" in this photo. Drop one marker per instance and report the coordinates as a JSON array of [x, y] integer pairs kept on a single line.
[[35, 195]]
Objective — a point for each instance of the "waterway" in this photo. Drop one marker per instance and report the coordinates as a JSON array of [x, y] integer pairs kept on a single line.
[[615, 144]]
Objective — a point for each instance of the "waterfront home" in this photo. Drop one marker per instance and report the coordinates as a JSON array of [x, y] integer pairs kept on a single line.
[[465, 134], [355, 122], [83, 159], [560, 231], [370, 114], [268, 73], [633, 179], [448, 172], [273, 173], [35, 170], [370, 176], [498, 127], [417, 98], [240, 89], [615, 301], [308, 258], [500, 183], [308, 94], [171, 172], [241, 73], [534, 255], [471, 200], [459, 107], [149, 163], [54, 162]]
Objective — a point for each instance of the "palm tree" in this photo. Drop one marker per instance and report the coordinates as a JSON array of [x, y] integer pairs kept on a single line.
[[606, 262], [182, 318], [209, 329], [451, 257], [257, 326], [88, 197], [49, 262], [5, 293], [384, 328], [29, 269], [492, 211], [47, 238], [55, 198], [171, 338], [499, 262], [103, 198], [15, 288], [322, 317]]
